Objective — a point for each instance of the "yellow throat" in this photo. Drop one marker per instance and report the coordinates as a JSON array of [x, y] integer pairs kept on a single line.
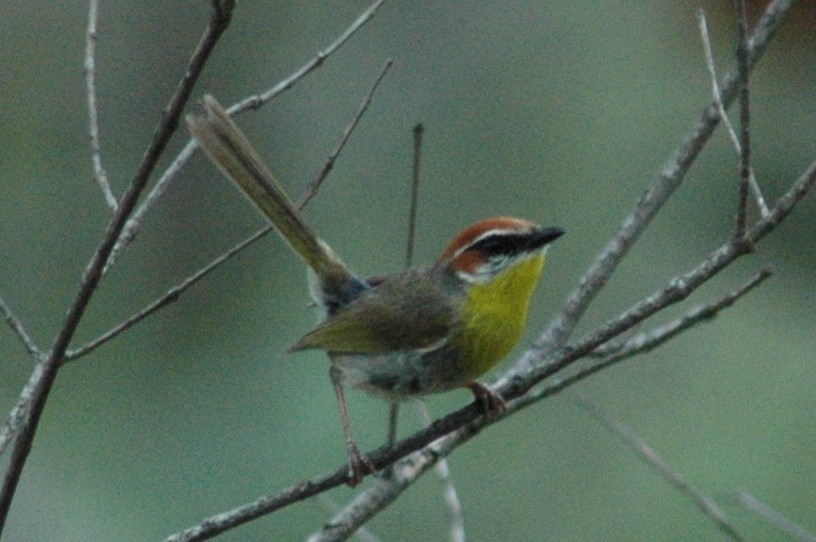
[[494, 314]]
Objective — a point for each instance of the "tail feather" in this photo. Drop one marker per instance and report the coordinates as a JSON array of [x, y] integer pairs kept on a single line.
[[230, 150]]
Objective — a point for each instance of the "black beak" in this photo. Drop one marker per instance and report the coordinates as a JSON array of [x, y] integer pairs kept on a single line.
[[541, 237]]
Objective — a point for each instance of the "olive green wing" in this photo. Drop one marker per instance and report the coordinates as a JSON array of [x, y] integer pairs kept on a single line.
[[406, 312]]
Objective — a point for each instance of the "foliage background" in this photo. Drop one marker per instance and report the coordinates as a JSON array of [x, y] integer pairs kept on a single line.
[[562, 112]]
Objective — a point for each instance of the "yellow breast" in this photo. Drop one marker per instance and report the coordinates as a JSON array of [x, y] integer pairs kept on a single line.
[[494, 314]]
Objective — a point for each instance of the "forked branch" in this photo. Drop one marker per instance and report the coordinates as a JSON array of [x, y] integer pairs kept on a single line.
[[47, 370]]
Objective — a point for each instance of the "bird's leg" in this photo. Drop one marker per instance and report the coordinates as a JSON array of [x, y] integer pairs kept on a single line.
[[489, 402], [393, 414], [359, 465]]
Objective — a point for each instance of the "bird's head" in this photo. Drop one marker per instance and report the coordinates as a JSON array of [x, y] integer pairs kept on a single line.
[[484, 250]]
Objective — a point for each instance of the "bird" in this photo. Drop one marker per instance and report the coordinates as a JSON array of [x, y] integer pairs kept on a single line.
[[420, 331]]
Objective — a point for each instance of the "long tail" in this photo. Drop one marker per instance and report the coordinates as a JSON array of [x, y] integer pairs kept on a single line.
[[229, 149]]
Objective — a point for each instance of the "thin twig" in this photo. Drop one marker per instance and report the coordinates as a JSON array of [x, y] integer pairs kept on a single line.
[[219, 20], [412, 213], [645, 342], [252, 102], [256, 101], [457, 520], [462, 424], [93, 120], [365, 504], [158, 190], [779, 521], [652, 201], [715, 92], [19, 329], [312, 189], [172, 295], [745, 118], [361, 533], [642, 448]]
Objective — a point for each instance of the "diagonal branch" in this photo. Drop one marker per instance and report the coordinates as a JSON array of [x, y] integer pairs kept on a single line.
[[252, 102], [18, 413], [675, 290], [219, 20], [172, 295], [646, 342], [314, 186], [653, 200], [256, 101], [786, 525], [647, 453]]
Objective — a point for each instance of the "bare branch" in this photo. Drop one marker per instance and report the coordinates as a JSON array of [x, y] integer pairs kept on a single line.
[[362, 533], [641, 344], [365, 504], [715, 93], [219, 20], [17, 327], [779, 521], [647, 454], [745, 118], [18, 412], [252, 102], [312, 189], [256, 101], [645, 342], [675, 290], [386, 490], [457, 521], [652, 201], [172, 295], [93, 121]]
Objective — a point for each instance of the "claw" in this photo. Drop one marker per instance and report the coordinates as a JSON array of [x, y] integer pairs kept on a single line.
[[359, 465], [490, 403]]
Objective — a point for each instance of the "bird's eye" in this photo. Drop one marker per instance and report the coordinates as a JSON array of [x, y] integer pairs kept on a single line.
[[490, 245]]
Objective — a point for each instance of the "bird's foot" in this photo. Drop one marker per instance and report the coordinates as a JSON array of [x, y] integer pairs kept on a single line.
[[489, 402], [359, 465]]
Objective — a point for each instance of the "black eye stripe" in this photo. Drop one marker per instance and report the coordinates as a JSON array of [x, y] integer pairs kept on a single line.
[[499, 244], [509, 244]]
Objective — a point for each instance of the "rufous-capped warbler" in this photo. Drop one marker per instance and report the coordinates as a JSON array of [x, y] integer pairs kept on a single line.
[[424, 330]]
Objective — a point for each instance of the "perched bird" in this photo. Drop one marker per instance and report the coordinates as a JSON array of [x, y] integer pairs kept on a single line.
[[424, 330]]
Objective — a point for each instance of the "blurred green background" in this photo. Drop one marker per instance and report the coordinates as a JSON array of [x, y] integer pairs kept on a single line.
[[562, 112]]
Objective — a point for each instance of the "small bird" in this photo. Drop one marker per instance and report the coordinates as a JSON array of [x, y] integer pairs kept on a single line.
[[421, 331]]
